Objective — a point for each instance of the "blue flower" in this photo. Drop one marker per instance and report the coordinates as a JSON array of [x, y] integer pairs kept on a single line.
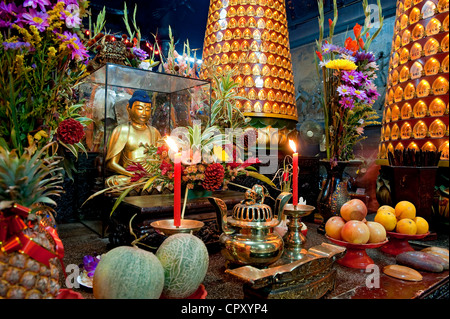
[[15, 45]]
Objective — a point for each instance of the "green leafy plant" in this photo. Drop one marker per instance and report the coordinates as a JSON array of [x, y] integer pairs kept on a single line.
[[224, 112]]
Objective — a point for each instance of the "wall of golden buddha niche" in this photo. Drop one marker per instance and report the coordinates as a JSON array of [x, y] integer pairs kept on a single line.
[[252, 36], [416, 104]]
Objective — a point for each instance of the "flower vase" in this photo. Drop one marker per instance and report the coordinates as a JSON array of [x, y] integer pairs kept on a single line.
[[196, 192], [334, 192]]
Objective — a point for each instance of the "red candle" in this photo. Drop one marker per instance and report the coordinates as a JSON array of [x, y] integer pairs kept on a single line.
[[176, 182], [177, 190], [294, 173]]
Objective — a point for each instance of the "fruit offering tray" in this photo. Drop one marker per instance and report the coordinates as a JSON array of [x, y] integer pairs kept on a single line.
[[356, 255], [399, 243]]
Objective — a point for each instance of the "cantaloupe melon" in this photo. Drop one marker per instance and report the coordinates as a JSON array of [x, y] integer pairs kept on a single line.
[[128, 273], [185, 260]]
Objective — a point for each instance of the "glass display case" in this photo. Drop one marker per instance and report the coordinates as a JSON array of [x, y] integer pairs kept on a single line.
[[175, 101]]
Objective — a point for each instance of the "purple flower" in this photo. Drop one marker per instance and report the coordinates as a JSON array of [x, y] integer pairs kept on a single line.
[[327, 48], [140, 54], [38, 19], [71, 16], [74, 44], [362, 56], [360, 94], [89, 264], [352, 77], [9, 13], [372, 95], [347, 102], [345, 90], [35, 3]]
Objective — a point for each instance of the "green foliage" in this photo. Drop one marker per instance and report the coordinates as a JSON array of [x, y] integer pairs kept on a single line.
[[29, 180], [224, 112]]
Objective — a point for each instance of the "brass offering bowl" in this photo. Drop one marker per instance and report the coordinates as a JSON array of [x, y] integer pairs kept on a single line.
[[166, 226]]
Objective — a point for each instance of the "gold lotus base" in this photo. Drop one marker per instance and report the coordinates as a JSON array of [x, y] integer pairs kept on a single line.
[[294, 240], [166, 226], [309, 278]]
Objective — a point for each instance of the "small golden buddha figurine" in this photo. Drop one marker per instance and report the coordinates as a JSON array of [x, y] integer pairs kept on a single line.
[[124, 144]]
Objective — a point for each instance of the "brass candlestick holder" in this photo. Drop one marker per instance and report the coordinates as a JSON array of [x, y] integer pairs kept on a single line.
[[166, 226], [294, 240]]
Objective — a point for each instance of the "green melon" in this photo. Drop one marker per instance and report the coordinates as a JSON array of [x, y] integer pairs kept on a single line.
[[185, 260], [128, 273]]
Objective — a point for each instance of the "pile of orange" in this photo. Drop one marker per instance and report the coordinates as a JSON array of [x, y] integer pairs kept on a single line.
[[402, 219]]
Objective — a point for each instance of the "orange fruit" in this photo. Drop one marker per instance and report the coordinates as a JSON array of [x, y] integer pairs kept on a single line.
[[388, 208], [405, 209], [406, 226], [422, 225], [386, 218]]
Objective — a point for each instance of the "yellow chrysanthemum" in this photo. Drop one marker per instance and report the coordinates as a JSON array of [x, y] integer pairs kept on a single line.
[[341, 64]]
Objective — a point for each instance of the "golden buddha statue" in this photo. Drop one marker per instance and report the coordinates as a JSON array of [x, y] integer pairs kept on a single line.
[[124, 144]]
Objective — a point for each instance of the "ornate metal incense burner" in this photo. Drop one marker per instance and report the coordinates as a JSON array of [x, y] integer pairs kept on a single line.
[[248, 236]]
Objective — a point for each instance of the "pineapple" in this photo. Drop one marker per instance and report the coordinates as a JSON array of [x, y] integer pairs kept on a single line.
[[29, 180]]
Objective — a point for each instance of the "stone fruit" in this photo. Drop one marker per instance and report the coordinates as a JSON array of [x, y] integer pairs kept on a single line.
[[185, 260], [405, 209], [355, 232], [333, 227], [377, 232], [354, 209], [406, 226], [387, 219], [422, 225], [128, 273]]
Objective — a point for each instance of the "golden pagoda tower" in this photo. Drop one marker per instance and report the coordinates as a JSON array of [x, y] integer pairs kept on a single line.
[[415, 122], [252, 36], [416, 104]]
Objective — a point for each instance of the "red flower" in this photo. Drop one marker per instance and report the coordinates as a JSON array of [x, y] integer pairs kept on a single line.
[[351, 44], [70, 131], [357, 30], [361, 43], [319, 55], [330, 22], [165, 167]]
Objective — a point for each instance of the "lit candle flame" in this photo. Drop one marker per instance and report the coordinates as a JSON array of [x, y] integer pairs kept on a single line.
[[172, 144], [293, 146]]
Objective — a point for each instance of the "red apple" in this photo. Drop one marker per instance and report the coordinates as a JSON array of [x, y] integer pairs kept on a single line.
[[355, 232], [333, 227], [377, 232], [354, 209]]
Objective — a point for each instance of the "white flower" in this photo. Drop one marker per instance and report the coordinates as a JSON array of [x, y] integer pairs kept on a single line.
[[145, 65]]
